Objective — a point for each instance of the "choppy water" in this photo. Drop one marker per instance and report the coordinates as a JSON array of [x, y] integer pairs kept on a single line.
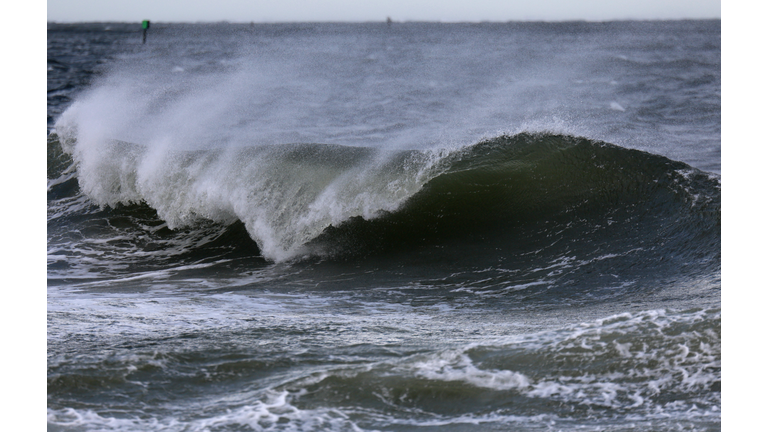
[[371, 227]]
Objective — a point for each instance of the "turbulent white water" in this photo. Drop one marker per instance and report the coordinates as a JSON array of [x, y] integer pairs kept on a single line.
[[628, 364], [285, 195]]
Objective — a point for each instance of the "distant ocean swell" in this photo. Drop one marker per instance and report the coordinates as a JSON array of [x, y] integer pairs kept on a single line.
[[299, 200]]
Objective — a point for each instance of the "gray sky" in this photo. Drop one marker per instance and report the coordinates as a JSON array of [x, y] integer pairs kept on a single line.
[[357, 10]]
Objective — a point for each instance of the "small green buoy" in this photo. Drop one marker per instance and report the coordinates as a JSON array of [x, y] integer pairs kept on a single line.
[[145, 27]]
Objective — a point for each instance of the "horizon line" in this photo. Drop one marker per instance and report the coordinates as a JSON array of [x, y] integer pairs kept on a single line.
[[385, 21]]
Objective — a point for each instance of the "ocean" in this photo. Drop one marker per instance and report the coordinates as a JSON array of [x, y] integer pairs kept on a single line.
[[384, 227]]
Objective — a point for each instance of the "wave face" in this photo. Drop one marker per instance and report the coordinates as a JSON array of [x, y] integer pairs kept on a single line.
[[498, 189]]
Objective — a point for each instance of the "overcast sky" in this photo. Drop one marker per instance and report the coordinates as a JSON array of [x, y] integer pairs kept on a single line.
[[357, 10]]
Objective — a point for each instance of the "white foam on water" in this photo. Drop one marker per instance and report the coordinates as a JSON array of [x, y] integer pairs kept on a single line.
[[457, 366], [272, 412], [482, 421], [674, 357]]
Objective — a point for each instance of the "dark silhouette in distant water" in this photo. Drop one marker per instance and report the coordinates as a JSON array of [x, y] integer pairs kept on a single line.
[[389, 21], [145, 27]]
